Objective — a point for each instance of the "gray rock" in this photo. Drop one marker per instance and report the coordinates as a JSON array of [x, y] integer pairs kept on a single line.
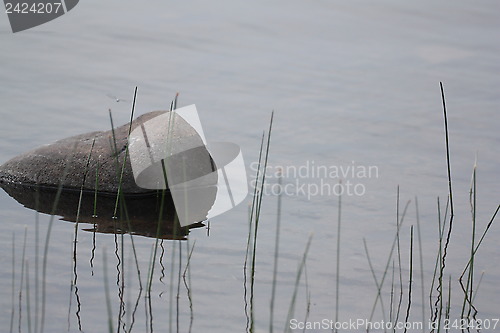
[[47, 165]]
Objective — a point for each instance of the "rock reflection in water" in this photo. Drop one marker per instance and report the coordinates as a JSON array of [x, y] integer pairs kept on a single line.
[[138, 215]]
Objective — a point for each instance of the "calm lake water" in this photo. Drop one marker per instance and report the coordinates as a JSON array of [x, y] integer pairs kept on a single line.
[[354, 87]]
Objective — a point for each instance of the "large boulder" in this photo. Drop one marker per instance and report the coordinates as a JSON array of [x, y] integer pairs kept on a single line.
[[93, 161]]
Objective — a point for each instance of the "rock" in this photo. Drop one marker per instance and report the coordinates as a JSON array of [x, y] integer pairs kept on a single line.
[[67, 161]]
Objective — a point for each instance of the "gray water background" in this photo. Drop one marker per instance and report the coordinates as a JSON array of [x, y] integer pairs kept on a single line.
[[349, 82]]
